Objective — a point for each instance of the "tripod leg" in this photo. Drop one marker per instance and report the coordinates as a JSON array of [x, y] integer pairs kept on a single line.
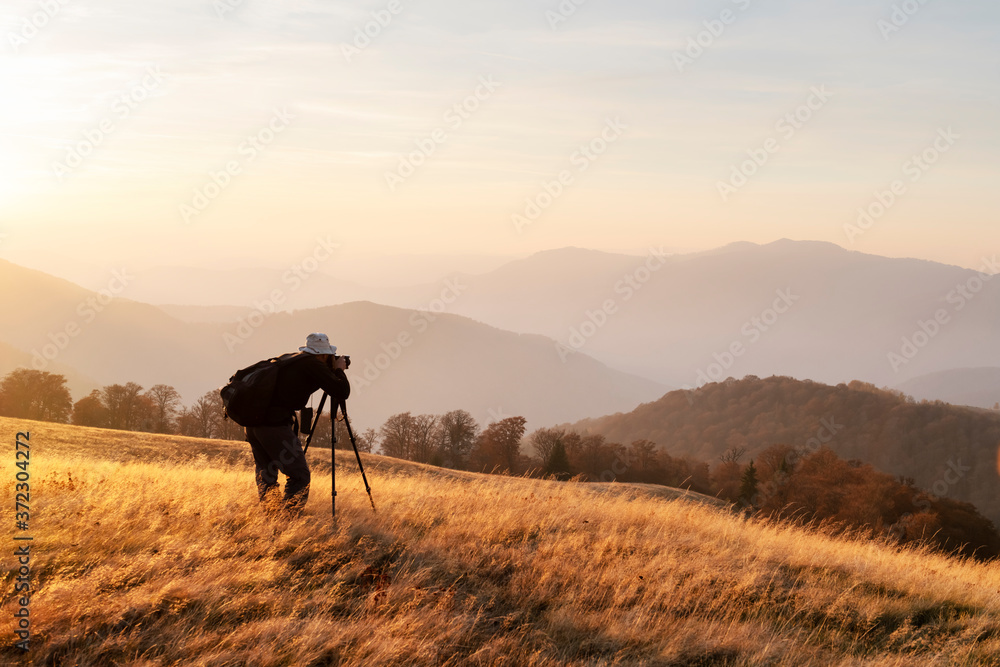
[[333, 459], [357, 454], [312, 428]]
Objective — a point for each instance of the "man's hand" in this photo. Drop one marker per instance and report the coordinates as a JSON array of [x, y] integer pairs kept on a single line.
[[341, 363]]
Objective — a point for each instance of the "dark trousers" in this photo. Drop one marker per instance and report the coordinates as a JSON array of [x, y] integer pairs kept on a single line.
[[277, 449]]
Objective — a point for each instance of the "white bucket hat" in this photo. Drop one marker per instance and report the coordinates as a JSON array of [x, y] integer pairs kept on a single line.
[[318, 343]]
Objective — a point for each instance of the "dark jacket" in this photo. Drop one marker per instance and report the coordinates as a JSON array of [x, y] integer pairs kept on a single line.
[[298, 380]]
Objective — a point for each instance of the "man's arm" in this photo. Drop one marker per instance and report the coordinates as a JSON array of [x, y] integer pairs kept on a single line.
[[333, 382]]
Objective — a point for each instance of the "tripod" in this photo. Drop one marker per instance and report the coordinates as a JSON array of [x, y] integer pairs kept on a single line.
[[333, 449]]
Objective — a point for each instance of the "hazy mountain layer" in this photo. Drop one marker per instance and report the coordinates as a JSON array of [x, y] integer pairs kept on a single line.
[[979, 387], [806, 309], [402, 360]]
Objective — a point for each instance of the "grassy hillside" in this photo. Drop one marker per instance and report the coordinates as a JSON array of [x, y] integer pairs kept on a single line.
[[947, 449], [150, 550]]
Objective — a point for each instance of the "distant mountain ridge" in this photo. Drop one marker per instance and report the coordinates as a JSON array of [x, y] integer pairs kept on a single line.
[[855, 315], [403, 360], [851, 312], [675, 320]]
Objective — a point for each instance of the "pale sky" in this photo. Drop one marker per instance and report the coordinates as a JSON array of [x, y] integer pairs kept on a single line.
[[198, 81]]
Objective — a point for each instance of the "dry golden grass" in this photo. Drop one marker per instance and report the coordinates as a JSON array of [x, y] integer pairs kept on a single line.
[[171, 563]]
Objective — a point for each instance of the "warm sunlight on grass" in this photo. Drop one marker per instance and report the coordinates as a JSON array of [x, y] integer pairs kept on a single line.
[[171, 563]]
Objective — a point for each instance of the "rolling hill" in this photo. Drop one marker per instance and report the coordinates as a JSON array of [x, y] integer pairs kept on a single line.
[[949, 450]]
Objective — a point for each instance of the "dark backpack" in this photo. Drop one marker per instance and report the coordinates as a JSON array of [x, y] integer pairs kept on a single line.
[[248, 394]]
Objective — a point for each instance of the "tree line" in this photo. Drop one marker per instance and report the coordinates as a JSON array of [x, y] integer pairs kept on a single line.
[[922, 440], [31, 394], [810, 485], [818, 487]]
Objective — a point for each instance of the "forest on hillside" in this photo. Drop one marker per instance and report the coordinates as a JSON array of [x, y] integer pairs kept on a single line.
[[950, 450]]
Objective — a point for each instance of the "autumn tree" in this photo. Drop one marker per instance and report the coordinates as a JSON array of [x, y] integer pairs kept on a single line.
[[644, 462], [597, 458], [91, 411], [31, 394], [726, 477], [499, 446]]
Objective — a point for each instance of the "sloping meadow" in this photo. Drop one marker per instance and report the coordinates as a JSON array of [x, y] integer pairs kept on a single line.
[[172, 563]]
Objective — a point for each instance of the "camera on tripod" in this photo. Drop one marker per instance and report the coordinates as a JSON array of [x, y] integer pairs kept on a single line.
[[332, 359]]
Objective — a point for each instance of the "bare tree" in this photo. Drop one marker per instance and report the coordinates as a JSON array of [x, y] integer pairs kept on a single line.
[[166, 404], [425, 438], [200, 419], [544, 439], [367, 440], [123, 404], [458, 434], [397, 434], [733, 455]]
